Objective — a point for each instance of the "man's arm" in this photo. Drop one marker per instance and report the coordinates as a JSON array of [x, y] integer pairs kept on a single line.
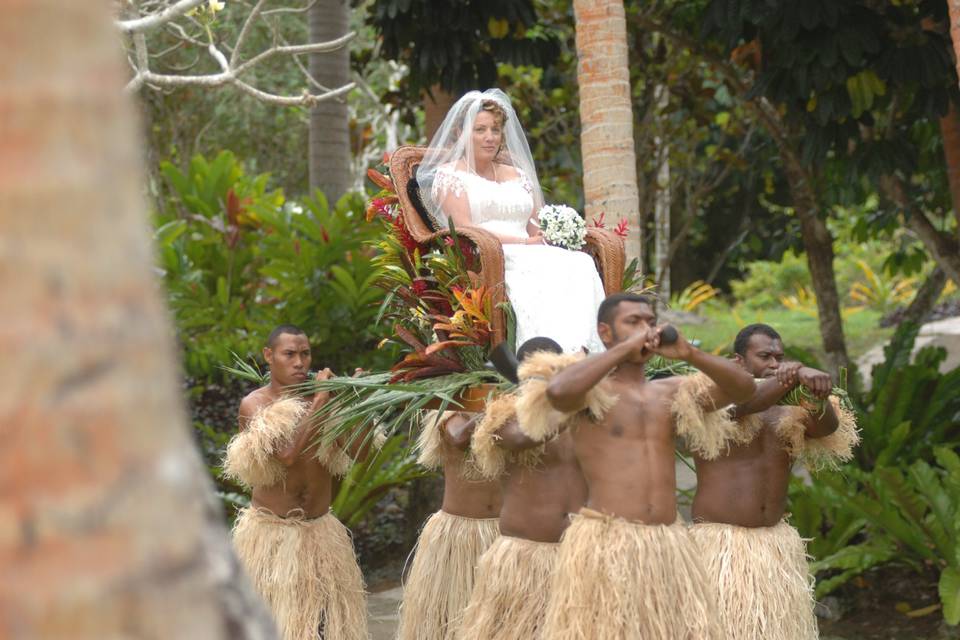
[[819, 423], [568, 389], [248, 407], [458, 429], [732, 383], [304, 433], [512, 437], [771, 391]]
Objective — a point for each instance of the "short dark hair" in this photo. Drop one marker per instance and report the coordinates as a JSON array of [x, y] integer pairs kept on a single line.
[[609, 305], [537, 344], [292, 329], [743, 338]]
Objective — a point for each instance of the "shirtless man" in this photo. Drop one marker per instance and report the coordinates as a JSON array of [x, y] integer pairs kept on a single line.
[[441, 578], [756, 560], [628, 568], [542, 485], [298, 554]]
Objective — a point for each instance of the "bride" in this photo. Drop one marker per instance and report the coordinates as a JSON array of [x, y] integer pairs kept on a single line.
[[479, 172]]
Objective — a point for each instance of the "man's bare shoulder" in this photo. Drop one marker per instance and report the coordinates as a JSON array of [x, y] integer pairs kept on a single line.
[[253, 402]]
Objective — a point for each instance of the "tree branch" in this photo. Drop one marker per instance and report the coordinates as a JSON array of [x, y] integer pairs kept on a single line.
[[152, 21], [230, 70]]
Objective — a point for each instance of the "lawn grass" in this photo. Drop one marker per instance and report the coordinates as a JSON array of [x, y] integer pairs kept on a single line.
[[798, 329]]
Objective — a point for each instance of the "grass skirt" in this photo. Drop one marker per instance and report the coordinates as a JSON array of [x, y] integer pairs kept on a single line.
[[306, 572], [765, 591], [509, 600], [441, 578], [617, 580]]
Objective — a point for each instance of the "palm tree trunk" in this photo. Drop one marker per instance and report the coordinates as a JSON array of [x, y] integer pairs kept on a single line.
[[110, 526], [330, 119], [661, 208], [606, 139]]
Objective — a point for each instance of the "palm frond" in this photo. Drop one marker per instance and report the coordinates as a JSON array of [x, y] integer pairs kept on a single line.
[[246, 371], [358, 404]]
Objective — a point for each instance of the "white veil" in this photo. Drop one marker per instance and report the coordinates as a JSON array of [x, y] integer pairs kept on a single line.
[[453, 142]]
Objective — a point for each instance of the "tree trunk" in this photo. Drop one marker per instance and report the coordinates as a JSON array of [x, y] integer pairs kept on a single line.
[[926, 298], [435, 109], [110, 526], [942, 247], [606, 139], [950, 133], [661, 208], [330, 119], [818, 245]]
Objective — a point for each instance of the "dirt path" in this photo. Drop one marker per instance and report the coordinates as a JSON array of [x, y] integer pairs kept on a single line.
[[382, 608]]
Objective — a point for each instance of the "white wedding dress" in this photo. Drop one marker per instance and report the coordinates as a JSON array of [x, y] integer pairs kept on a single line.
[[554, 292]]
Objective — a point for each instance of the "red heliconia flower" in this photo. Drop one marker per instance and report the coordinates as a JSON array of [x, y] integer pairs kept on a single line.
[[598, 221], [622, 228], [447, 240], [324, 234], [419, 286], [400, 231]]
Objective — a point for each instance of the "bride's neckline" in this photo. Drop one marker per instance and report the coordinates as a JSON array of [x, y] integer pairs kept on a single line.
[[484, 178]]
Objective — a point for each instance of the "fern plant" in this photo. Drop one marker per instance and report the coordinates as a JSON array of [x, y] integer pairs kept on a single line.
[[909, 515], [393, 465]]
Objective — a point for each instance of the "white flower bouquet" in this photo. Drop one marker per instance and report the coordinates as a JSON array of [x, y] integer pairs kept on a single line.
[[562, 226]]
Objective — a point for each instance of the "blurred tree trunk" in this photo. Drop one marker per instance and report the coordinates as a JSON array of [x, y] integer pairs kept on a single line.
[[435, 108], [110, 528], [661, 213], [606, 139], [330, 119]]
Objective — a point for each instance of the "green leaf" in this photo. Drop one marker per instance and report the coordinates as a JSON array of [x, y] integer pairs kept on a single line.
[[949, 588], [223, 293], [169, 232]]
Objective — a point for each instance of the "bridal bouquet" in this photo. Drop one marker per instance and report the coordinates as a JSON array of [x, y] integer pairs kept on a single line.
[[562, 226]]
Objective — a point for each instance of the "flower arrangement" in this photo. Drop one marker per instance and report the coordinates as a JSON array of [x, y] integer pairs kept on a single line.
[[562, 226]]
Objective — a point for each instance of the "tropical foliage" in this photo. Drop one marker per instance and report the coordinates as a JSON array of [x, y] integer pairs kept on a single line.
[[899, 502], [238, 259]]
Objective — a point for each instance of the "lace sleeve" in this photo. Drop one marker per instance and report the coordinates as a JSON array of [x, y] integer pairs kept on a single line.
[[525, 181], [528, 187], [445, 182]]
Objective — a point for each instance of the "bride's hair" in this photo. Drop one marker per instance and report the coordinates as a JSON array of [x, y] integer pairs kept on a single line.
[[491, 106], [452, 148]]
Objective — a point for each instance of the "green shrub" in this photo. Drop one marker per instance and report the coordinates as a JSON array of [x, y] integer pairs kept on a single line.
[[910, 514], [392, 465], [766, 281], [911, 407], [237, 259], [899, 501]]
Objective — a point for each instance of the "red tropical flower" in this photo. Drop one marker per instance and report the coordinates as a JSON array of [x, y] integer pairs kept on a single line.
[[419, 286]]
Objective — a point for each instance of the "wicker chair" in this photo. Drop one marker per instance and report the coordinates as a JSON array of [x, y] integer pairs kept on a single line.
[[603, 245]]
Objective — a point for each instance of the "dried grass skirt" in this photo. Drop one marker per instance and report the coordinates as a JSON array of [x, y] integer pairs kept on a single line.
[[765, 591], [441, 579], [509, 600], [618, 580], [307, 573]]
